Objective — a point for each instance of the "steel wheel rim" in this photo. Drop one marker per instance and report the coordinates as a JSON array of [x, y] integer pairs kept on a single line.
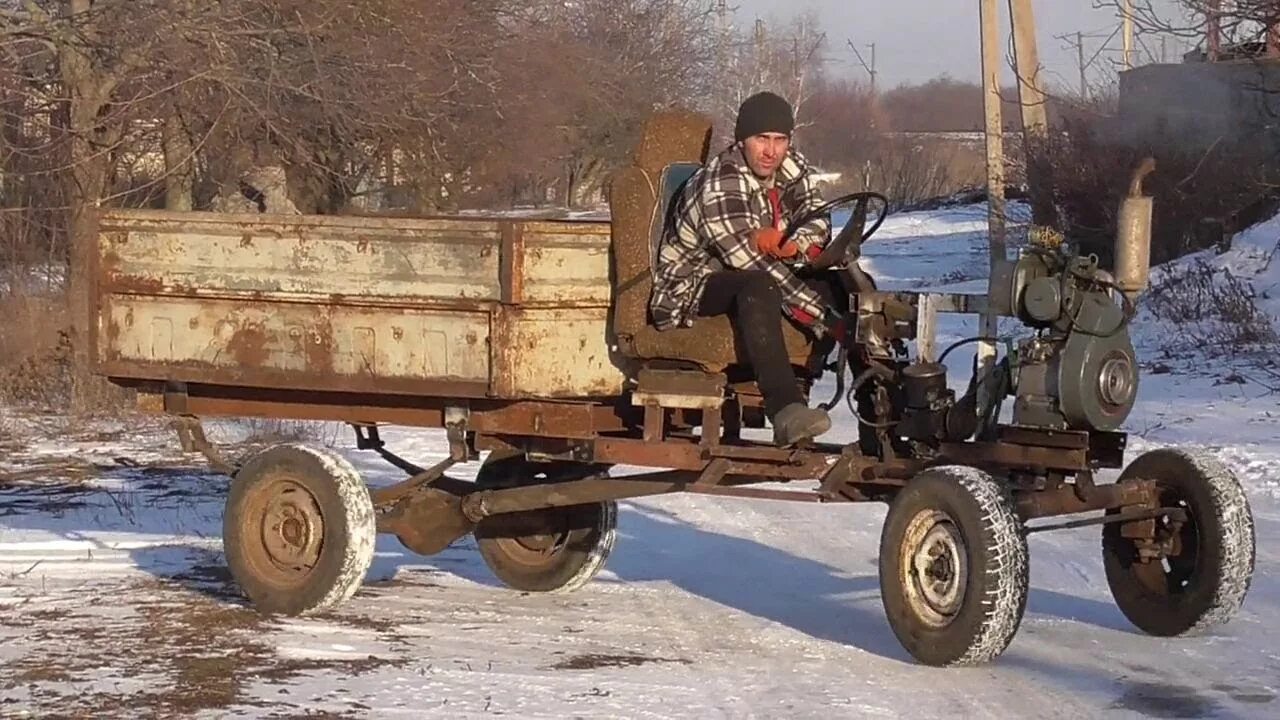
[[533, 550], [287, 532], [934, 567]]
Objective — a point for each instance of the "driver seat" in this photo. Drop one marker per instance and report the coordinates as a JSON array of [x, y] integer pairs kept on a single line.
[[672, 147]]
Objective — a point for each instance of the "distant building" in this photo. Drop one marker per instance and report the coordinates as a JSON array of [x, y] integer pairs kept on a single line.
[[1199, 103]]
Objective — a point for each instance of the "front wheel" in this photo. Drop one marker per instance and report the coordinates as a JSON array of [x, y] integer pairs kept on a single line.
[[953, 567], [554, 550], [1194, 574]]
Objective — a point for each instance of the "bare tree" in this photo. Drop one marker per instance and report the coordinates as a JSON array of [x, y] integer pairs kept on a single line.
[[788, 59], [639, 56], [1226, 23], [846, 121], [94, 91]]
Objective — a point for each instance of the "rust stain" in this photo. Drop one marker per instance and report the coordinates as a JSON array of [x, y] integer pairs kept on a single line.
[[193, 323], [109, 261], [141, 285], [109, 268], [319, 350], [249, 346], [246, 240]]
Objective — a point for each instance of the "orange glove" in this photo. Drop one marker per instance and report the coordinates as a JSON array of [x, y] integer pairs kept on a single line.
[[769, 241]]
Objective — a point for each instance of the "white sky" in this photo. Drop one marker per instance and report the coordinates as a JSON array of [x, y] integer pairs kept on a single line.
[[920, 39]]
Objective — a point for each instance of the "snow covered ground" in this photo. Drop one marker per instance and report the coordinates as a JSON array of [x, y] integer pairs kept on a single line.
[[114, 601]]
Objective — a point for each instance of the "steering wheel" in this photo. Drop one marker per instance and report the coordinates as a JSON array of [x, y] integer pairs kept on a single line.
[[834, 253]]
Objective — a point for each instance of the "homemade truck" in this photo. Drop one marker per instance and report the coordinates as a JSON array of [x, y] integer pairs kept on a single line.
[[529, 339]]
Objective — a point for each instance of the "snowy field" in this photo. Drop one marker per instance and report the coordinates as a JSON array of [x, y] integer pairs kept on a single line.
[[116, 603]]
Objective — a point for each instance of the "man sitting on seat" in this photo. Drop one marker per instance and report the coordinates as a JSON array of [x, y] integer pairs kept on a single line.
[[723, 255]]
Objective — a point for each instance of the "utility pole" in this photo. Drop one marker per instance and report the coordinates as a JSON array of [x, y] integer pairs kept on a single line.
[[1035, 121], [1084, 80], [1026, 53], [1128, 34], [759, 38], [1213, 26], [724, 39], [871, 67], [994, 127], [1077, 41], [991, 47]]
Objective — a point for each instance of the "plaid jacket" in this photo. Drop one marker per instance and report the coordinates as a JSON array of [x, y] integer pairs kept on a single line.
[[711, 230]]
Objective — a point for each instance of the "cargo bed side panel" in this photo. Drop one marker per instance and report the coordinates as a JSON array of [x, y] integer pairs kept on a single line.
[[463, 307]]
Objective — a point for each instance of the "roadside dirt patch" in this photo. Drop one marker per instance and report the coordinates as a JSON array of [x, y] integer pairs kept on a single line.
[[169, 651], [597, 661]]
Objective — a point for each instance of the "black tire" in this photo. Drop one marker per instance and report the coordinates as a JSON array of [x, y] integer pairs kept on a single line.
[[557, 550], [298, 530], [957, 527], [1205, 582]]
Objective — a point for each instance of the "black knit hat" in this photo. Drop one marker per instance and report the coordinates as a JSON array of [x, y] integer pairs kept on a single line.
[[763, 112]]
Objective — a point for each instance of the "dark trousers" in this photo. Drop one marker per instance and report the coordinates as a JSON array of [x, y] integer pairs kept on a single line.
[[754, 305]]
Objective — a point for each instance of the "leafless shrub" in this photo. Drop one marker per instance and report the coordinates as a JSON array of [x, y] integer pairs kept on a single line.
[[34, 349], [1214, 311], [1201, 197], [268, 431]]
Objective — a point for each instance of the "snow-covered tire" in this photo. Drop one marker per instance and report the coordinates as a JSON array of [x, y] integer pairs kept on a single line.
[[570, 545], [1205, 582], [953, 567], [298, 530]]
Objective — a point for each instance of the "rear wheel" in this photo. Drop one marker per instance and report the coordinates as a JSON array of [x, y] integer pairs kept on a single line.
[[298, 529], [953, 567], [1192, 575], [554, 550]]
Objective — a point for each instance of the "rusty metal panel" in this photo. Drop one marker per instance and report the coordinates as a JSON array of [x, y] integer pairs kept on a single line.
[[321, 258], [418, 306], [554, 352], [565, 263], [220, 340]]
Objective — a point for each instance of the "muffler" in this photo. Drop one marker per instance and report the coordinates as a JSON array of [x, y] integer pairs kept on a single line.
[[1133, 235]]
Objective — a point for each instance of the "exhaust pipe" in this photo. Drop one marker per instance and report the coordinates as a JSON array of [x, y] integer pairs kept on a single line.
[[1133, 235]]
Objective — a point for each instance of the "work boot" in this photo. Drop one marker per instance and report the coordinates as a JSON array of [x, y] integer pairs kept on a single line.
[[797, 422]]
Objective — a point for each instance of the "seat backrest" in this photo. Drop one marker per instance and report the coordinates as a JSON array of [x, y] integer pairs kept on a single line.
[[673, 180], [672, 144]]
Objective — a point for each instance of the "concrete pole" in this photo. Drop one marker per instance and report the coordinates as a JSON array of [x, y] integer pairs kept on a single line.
[[1127, 32], [991, 46], [1084, 80], [1035, 123], [873, 69], [1213, 26], [994, 126]]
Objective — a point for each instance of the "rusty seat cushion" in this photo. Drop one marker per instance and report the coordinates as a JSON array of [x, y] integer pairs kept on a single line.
[[672, 146]]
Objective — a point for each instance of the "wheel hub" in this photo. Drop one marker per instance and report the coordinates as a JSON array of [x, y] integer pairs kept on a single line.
[[936, 568], [534, 550], [291, 528]]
